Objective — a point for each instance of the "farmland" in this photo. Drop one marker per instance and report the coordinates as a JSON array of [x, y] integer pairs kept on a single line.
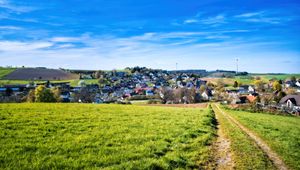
[[40, 74], [5, 71], [76, 136]]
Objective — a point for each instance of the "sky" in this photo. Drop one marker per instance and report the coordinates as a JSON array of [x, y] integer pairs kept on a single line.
[[113, 34]]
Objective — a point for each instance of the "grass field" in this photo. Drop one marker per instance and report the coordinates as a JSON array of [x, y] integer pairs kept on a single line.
[[277, 76], [72, 82], [246, 154], [249, 80], [282, 133], [5, 71], [77, 136]]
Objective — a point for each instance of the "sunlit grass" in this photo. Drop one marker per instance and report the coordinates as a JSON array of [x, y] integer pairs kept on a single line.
[[282, 133], [77, 136]]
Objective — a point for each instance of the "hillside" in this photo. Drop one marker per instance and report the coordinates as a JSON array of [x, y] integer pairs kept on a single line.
[[39, 74], [5, 71]]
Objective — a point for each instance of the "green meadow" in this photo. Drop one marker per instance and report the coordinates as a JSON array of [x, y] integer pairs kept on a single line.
[[245, 153], [87, 136], [281, 133], [5, 71]]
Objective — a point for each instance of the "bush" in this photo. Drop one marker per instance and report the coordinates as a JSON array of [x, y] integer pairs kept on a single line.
[[154, 101], [42, 94]]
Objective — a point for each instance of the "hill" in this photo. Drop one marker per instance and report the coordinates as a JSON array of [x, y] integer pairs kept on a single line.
[[40, 74], [5, 71]]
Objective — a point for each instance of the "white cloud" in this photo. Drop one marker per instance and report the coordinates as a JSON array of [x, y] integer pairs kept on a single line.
[[262, 17], [9, 46], [15, 8], [8, 27], [65, 39], [110, 52], [219, 19], [250, 14], [190, 21]]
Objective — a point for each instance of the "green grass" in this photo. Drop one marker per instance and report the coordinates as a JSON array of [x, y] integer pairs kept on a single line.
[[87, 136], [72, 82], [277, 76], [282, 133], [246, 154], [5, 71], [87, 81]]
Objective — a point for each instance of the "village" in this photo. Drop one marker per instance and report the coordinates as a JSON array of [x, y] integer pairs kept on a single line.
[[163, 87]]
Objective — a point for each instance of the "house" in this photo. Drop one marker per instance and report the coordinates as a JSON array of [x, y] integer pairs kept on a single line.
[[246, 89], [149, 92], [289, 84], [65, 96], [298, 83], [251, 98], [291, 102], [207, 94], [200, 82]]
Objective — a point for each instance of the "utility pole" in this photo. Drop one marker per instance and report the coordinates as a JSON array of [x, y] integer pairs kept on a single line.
[[176, 66], [237, 65]]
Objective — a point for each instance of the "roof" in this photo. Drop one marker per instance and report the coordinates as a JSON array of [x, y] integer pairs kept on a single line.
[[293, 98], [251, 98]]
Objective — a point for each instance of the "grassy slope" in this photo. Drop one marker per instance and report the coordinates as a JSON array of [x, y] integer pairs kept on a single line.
[[282, 133], [5, 71], [279, 76], [246, 154], [247, 79], [76, 136], [72, 82]]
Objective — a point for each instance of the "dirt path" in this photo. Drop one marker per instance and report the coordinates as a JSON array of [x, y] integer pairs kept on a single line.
[[224, 156], [266, 149]]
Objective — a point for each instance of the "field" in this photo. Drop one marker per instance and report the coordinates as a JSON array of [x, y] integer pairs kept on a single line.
[[277, 76], [5, 71], [245, 153], [72, 82], [249, 80], [40, 74], [77, 136], [281, 133]]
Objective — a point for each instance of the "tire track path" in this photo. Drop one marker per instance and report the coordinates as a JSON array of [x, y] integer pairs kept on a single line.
[[266, 149]]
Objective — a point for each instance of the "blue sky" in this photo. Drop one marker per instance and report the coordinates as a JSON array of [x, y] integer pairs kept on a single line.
[[113, 34]]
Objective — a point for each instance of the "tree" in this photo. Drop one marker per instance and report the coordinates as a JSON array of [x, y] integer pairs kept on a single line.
[[259, 85], [167, 95], [42, 94], [210, 85], [8, 91], [81, 83], [220, 85], [99, 74], [277, 86], [31, 96], [85, 96], [293, 79], [235, 84], [202, 88], [56, 93], [279, 96], [291, 91]]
